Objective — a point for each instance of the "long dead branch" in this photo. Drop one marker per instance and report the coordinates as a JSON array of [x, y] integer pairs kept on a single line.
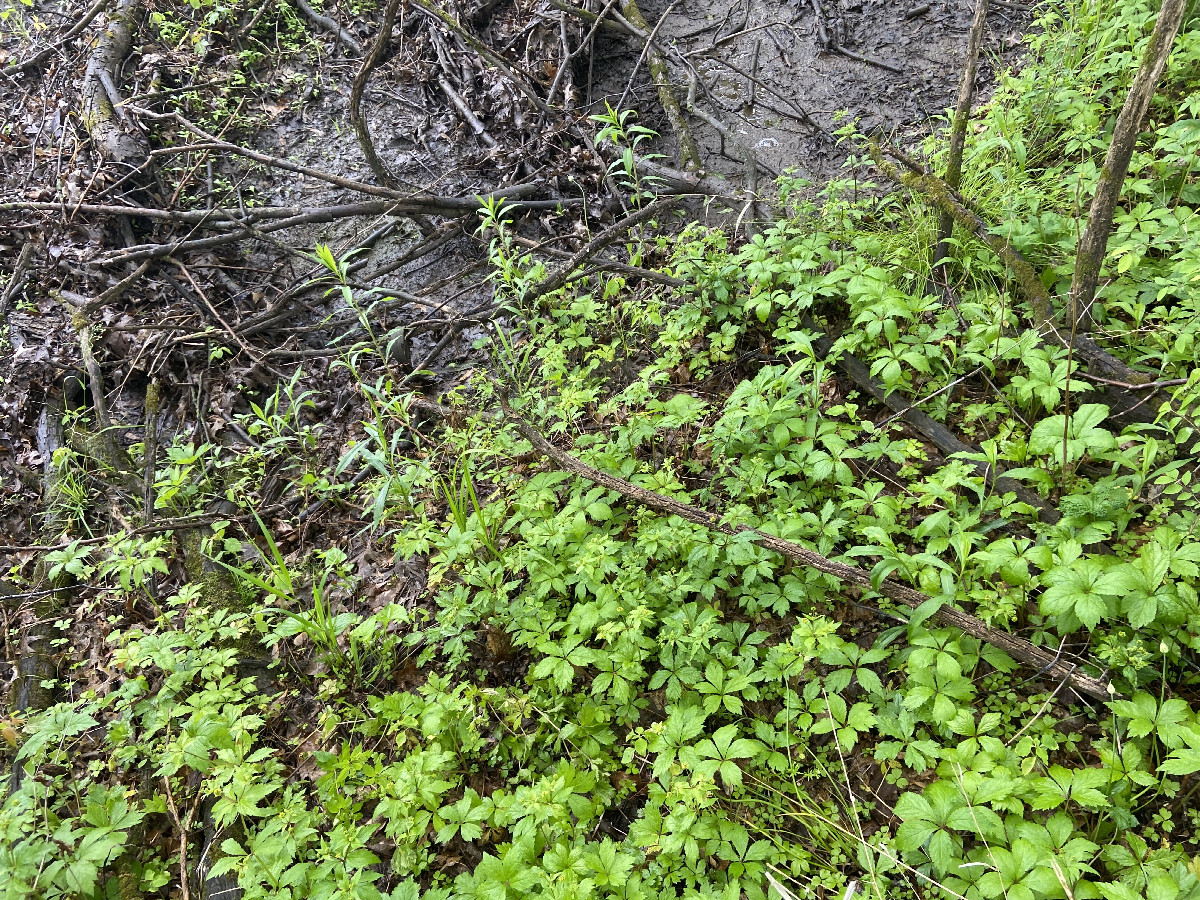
[[958, 132], [486, 52], [919, 180], [44, 54], [939, 435], [1018, 648], [357, 119], [614, 232], [689, 153], [328, 24]]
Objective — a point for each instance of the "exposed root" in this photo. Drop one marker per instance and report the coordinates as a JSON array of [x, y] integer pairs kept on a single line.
[[361, 131]]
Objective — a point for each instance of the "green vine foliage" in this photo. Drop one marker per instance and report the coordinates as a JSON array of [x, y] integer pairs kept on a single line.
[[608, 703]]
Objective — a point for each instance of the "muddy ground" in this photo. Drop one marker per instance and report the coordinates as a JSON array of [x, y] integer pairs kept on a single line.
[[474, 102]]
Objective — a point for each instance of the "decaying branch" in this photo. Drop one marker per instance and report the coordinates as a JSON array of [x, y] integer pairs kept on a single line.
[[614, 232], [344, 37], [1016, 647], [45, 53], [110, 131], [958, 131], [933, 189], [939, 435], [689, 153], [361, 131]]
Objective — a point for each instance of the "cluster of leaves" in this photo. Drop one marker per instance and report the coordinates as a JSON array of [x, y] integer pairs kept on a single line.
[[603, 702]]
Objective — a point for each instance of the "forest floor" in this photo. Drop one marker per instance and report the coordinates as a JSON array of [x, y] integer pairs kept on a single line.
[[503, 448]]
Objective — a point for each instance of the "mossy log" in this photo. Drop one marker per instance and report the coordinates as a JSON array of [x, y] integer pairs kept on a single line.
[[689, 153]]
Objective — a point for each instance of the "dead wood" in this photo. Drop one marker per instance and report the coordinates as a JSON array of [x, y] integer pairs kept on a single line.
[[112, 449], [328, 24], [36, 664], [215, 143], [947, 443], [936, 191], [958, 131], [467, 113], [111, 132], [1018, 648], [242, 229], [689, 153], [150, 452], [1094, 243], [361, 131], [827, 43], [669, 180], [606, 265], [617, 231], [485, 52], [45, 53], [16, 281]]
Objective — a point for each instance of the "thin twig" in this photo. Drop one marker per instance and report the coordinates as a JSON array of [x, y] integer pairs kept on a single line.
[[42, 55]]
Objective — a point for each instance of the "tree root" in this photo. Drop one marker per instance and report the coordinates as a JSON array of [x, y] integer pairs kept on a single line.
[[344, 37], [361, 131]]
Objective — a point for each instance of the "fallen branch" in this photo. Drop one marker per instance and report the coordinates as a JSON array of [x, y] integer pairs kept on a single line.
[[107, 123], [605, 265], [668, 180], [485, 52], [215, 143], [939, 435], [467, 113], [243, 229], [941, 195], [614, 232], [16, 281], [44, 54], [869, 60], [1016, 647], [361, 131], [328, 24], [958, 132], [429, 204], [689, 153]]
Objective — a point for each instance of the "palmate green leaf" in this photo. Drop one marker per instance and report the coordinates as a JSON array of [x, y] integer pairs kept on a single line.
[[609, 864], [52, 727], [926, 824], [1075, 590], [1083, 433], [977, 820], [1168, 721], [463, 817], [717, 754], [1184, 760]]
